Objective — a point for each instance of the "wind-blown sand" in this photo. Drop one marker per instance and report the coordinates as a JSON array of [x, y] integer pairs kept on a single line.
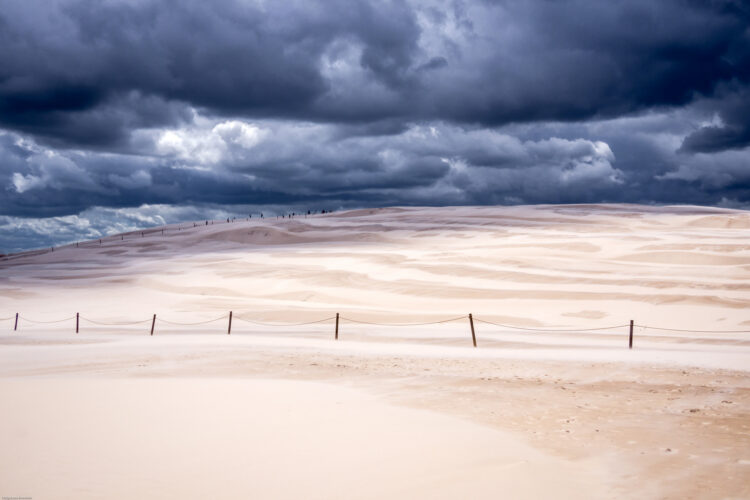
[[386, 411]]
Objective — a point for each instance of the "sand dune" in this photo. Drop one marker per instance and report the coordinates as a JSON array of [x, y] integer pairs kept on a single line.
[[658, 266], [668, 419]]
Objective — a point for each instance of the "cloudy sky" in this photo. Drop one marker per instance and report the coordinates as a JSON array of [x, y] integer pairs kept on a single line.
[[123, 114]]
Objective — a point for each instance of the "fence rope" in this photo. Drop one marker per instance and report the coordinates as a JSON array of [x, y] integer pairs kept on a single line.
[[549, 329], [284, 324], [691, 331], [46, 322], [116, 324], [403, 324], [352, 320], [225, 316]]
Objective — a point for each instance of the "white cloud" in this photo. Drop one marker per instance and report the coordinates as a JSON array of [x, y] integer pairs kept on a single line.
[[239, 133], [207, 142], [23, 183], [55, 171]]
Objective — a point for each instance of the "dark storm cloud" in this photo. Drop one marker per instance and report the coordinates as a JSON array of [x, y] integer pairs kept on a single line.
[[86, 72], [74, 64], [287, 169], [289, 164], [733, 110]]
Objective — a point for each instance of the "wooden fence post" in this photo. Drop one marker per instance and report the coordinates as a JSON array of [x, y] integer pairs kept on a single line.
[[76, 322], [473, 335], [16, 327], [229, 330], [153, 323], [630, 341], [337, 326]]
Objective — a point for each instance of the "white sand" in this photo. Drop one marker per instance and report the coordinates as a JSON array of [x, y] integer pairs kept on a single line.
[[230, 438], [193, 412]]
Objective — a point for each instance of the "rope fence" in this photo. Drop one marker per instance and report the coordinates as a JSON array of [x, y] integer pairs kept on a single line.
[[551, 330], [191, 324], [691, 331], [338, 319], [46, 322], [120, 323], [286, 324], [350, 320]]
